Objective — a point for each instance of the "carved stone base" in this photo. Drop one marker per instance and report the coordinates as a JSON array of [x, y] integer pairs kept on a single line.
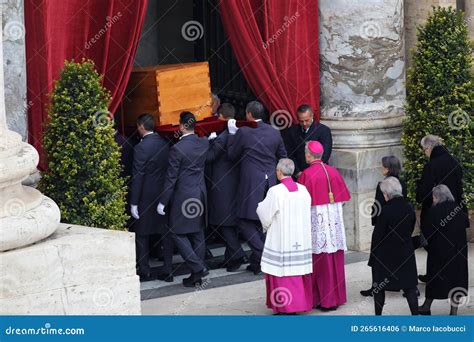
[[361, 169], [76, 271]]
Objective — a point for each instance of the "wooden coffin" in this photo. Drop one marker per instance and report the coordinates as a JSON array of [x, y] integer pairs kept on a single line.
[[165, 91]]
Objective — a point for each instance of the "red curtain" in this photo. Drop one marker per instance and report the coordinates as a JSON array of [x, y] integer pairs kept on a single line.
[[276, 45], [106, 31]]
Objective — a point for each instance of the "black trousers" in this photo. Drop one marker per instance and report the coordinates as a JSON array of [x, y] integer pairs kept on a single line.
[[230, 235], [168, 250], [410, 294], [142, 249], [192, 249], [252, 232]]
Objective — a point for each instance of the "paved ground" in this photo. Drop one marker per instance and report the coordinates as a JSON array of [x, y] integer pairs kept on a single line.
[[215, 297]]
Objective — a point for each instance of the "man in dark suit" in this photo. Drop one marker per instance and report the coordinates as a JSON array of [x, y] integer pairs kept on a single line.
[[258, 150], [223, 182], [184, 197], [150, 160], [307, 130]]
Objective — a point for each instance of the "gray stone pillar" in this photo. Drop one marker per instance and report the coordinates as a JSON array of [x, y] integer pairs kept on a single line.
[[362, 96], [15, 66]]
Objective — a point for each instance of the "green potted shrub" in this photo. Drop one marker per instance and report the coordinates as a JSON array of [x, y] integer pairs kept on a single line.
[[83, 175], [440, 95]]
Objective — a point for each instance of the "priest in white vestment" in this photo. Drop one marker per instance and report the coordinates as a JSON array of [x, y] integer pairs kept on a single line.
[[285, 214]]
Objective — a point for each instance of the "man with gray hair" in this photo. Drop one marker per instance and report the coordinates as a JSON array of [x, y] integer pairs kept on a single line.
[[442, 168], [285, 214]]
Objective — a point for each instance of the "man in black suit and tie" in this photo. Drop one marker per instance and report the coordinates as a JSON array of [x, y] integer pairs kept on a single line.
[[258, 151], [184, 197], [307, 130], [223, 182], [150, 160]]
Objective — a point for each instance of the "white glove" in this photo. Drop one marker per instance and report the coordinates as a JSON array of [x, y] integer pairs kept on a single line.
[[231, 126], [134, 211], [212, 136], [160, 209]]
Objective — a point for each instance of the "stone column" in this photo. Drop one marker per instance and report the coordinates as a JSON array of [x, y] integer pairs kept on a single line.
[[362, 96], [469, 10], [416, 13], [26, 215], [15, 66]]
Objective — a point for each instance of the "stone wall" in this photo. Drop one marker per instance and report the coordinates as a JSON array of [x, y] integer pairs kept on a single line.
[[14, 65], [416, 13]]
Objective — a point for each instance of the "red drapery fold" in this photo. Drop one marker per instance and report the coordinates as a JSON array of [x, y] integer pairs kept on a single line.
[[276, 45], [106, 31]]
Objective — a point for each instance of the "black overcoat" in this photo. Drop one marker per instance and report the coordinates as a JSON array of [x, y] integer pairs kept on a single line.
[[150, 161], [184, 194], [222, 183], [258, 151], [392, 256], [447, 266]]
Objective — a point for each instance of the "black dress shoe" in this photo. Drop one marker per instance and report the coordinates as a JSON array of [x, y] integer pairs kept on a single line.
[[255, 269], [195, 279], [167, 277], [233, 266], [323, 309], [423, 278], [208, 254], [367, 293], [147, 277]]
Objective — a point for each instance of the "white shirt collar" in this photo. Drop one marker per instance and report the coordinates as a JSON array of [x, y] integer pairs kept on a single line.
[[185, 135], [147, 133]]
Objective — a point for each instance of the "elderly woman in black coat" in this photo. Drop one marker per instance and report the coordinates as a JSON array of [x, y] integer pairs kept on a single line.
[[447, 251], [391, 167], [392, 256], [442, 168]]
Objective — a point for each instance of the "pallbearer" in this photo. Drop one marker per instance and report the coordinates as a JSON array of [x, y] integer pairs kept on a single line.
[[150, 161], [184, 197], [328, 191], [223, 182], [285, 214], [258, 151]]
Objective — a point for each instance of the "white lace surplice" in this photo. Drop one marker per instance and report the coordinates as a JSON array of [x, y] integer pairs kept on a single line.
[[327, 228]]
